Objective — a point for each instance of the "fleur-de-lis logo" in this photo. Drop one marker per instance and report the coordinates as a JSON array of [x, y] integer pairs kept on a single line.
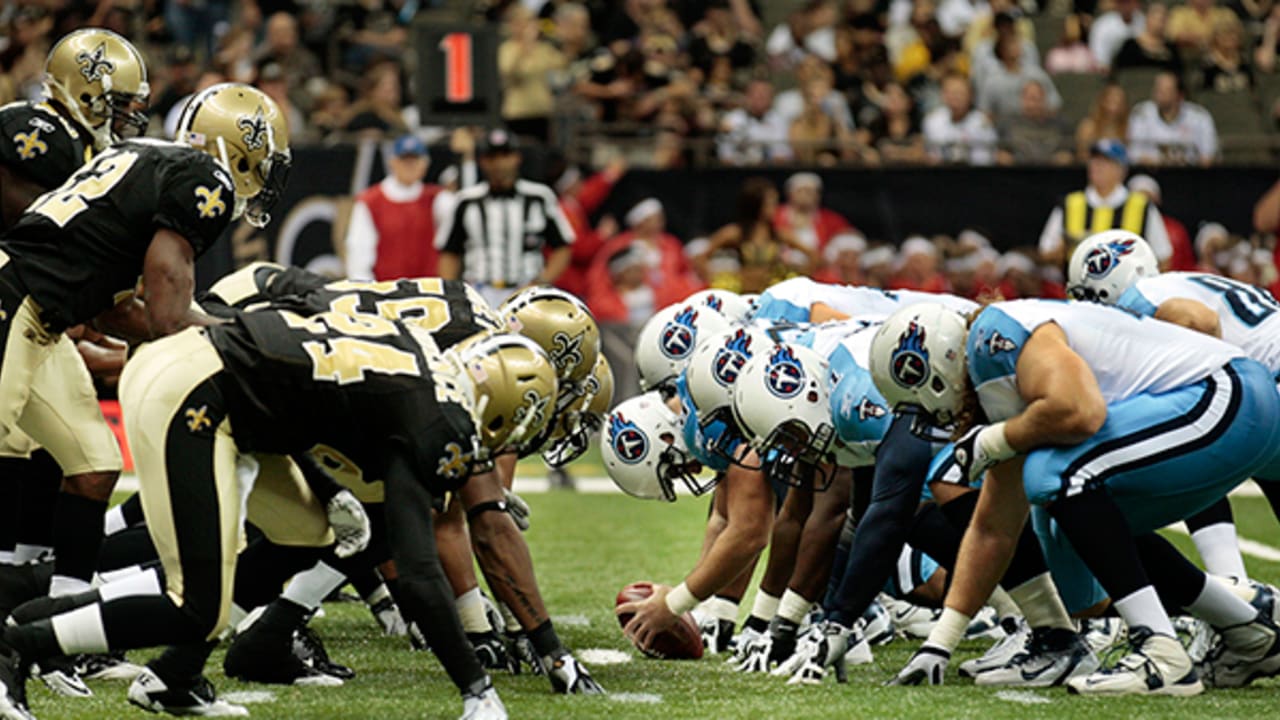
[[210, 203], [93, 65], [566, 352], [198, 419], [534, 406], [255, 129], [30, 145], [456, 463]]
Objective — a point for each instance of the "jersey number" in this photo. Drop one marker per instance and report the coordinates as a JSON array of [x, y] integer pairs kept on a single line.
[[73, 198], [429, 311], [345, 360], [1249, 304]]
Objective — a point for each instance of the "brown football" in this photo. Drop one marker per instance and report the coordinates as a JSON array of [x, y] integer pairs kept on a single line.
[[682, 642]]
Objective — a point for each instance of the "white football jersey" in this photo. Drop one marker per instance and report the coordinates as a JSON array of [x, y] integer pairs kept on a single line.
[[1128, 354], [1250, 316], [792, 300]]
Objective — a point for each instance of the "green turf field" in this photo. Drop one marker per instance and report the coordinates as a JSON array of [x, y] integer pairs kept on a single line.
[[588, 546]]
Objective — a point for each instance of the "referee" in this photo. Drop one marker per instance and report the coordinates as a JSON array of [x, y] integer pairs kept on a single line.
[[495, 236]]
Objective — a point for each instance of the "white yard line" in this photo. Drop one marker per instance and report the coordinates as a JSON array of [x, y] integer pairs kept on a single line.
[[1022, 697]]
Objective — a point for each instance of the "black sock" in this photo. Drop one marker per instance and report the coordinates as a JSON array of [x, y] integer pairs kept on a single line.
[[128, 547], [11, 470], [1177, 581], [1100, 535], [264, 567], [40, 490], [760, 625], [1215, 514], [77, 536], [183, 663], [544, 640], [131, 509]]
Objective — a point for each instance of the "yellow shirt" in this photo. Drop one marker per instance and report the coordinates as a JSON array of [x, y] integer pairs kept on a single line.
[[1187, 26], [526, 84]]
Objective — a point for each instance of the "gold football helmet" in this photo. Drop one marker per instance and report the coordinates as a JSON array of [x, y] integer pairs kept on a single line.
[[515, 387], [101, 80], [246, 133], [569, 434], [561, 324]]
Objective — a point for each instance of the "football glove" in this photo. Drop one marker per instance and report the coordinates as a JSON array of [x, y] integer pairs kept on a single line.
[[349, 522], [927, 667], [979, 449], [387, 613], [491, 653], [771, 649], [520, 648], [570, 677], [417, 640], [742, 643], [822, 646], [518, 508], [485, 705]]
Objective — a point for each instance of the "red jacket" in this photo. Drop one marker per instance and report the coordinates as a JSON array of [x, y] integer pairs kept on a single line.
[[826, 224], [586, 244], [406, 234], [672, 281], [1184, 256]]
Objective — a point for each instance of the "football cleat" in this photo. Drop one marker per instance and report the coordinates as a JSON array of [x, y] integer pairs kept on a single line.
[[825, 645], [107, 666], [1243, 654], [485, 705], [984, 626], [742, 644], [59, 675], [877, 625], [1016, 635], [1155, 665], [570, 677], [717, 634], [911, 621], [771, 648], [1052, 657], [152, 694], [309, 648], [265, 655], [1103, 633], [13, 688]]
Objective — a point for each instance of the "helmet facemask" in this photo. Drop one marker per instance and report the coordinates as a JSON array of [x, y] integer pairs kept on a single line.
[[729, 441], [794, 456], [676, 464]]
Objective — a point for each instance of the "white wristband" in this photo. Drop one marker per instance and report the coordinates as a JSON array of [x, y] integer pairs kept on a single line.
[[995, 444], [680, 600]]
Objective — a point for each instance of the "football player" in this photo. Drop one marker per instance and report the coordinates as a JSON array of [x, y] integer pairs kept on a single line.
[[378, 392], [1117, 426]]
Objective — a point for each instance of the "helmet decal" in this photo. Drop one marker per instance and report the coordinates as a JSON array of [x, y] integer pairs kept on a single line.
[[679, 335], [715, 303], [868, 409], [784, 377], [94, 65], [998, 343], [629, 442], [566, 351], [728, 362], [255, 129], [1102, 260], [909, 363], [534, 405]]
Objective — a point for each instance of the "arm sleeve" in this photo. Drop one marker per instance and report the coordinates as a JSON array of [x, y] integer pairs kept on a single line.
[[195, 202], [901, 465], [426, 597], [362, 243], [320, 482], [1156, 234]]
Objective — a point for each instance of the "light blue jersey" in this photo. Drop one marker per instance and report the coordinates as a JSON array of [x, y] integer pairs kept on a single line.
[[792, 300]]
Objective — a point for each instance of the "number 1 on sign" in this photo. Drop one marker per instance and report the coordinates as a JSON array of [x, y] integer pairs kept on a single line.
[[458, 87]]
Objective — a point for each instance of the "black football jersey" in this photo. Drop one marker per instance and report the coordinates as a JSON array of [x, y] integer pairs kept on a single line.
[[39, 144], [361, 386], [448, 309], [79, 248]]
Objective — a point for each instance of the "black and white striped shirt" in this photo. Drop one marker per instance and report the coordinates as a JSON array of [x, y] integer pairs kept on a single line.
[[500, 236]]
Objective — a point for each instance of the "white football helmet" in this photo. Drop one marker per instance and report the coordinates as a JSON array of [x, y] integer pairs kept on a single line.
[[918, 358], [783, 403], [668, 339], [1108, 263], [716, 365], [729, 304], [644, 450]]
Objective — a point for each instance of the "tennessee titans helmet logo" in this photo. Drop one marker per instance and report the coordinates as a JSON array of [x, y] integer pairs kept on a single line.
[[678, 336], [909, 363], [629, 442], [868, 409], [998, 343], [715, 303], [1102, 260], [784, 377], [729, 359]]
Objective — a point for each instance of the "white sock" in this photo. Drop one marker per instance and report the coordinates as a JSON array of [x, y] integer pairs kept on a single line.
[[6, 557], [80, 630], [61, 586], [721, 608], [1220, 607], [113, 522], [949, 630], [1142, 608], [1004, 605], [1040, 604], [24, 554], [309, 588], [765, 606], [1219, 548], [793, 607], [471, 612]]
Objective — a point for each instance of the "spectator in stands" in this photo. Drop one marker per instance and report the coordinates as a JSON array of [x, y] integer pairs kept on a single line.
[[789, 104], [1006, 27], [525, 64], [1071, 54], [758, 246], [632, 303], [572, 33], [1036, 136], [1149, 48], [1191, 25], [816, 137], [809, 31], [945, 59], [755, 133], [877, 265], [1021, 278], [273, 81], [626, 19], [1213, 247], [1000, 88], [719, 43], [371, 31], [842, 259], [895, 134], [804, 217], [1264, 55], [234, 57], [180, 75], [1109, 31], [580, 198], [970, 272], [917, 267], [1104, 204], [1183, 258], [1108, 118], [379, 107], [22, 61], [1226, 69], [299, 66], [666, 272], [956, 132], [194, 24], [998, 18], [331, 109], [955, 16], [1168, 130], [393, 223]]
